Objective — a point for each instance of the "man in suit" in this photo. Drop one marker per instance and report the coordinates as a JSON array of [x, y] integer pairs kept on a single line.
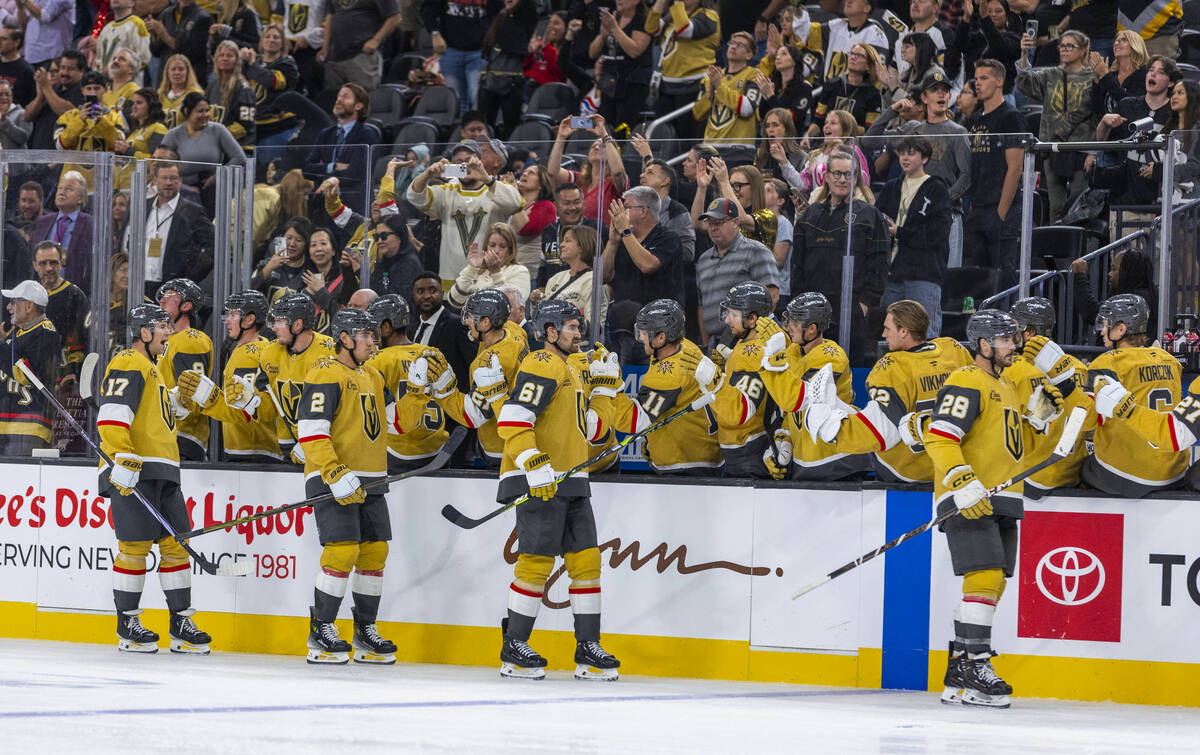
[[179, 238], [437, 326], [70, 228], [339, 151]]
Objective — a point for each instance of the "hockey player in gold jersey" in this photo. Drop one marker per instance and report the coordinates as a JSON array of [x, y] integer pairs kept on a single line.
[[416, 436], [1123, 462], [544, 424], [678, 373], [137, 423], [502, 346], [1035, 315], [742, 406], [247, 417], [189, 348], [296, 349], [978, 437], [1177, 429], [342, 418], [785, 367], [902, 387]]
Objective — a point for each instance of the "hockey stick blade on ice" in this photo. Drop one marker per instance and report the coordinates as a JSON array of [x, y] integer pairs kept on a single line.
[[1066, 444], [437, 462], [230, 568], [459, 519]]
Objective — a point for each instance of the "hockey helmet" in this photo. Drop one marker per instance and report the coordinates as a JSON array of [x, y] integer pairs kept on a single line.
[[990, 324], [1036, 312], [811, 308], [661, 316], [491, 303], [295, 306], [390, 308], [554, 312], [748, 297], [351, 321], [1130, 309], [187, 290], [248, 302], [144, 316]]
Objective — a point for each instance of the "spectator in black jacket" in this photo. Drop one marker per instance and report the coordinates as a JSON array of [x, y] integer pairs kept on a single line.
[[819, 243], [1131, 273], [917, 206], [182, 27], [399, 264]]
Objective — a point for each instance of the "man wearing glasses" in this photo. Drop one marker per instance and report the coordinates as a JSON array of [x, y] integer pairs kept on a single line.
[[729, 100], [398, 265], [1065, 94], [819, 243]]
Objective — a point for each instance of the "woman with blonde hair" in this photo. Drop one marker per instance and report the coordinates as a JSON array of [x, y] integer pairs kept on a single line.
[[778, 145], [1124, 75], [856, 92], [179, 80], [839, 126], [491, 266], [743, 185], [237, 22], [231, 97]]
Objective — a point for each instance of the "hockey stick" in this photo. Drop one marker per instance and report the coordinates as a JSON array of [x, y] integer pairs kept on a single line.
[[437, 462], [228, 569], [87, 372], [1063, 449], [459, 519]]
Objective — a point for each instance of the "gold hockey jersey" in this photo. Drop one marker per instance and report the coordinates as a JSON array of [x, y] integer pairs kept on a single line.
[[1177, 429], [1153, 376], [135, 417], [189, 349], [732, 115], [901, 382], [341, 421], [1025, 379], [977, 421], [475, 412], [242, 434], [689, 444], [741, 402], [285, 373], [415, 431], [685, 58]]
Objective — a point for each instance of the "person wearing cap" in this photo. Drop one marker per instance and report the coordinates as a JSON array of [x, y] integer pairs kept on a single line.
[[642, 260], [733, 259], [70, 227], [494, 154], [67, 307], [91, 127], [1065, 93], [467, 206], [25, 419]]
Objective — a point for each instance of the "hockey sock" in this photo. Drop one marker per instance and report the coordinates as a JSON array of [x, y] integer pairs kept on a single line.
[[175, 575], [973, 619], [129, 574], [524, 600], [365, 588], [584, 570], [337, 561]]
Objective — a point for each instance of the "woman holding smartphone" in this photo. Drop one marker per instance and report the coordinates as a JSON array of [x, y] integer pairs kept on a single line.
[[283, 271]]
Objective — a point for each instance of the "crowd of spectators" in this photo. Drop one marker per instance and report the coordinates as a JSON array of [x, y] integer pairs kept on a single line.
[[410, 136]]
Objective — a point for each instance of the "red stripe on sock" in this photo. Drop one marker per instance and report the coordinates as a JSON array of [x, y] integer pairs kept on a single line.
[[1174, 437], [168, 569], [122, 570], [338, 574], [745, 409], [371, 573], [978, 599], [583, 590], [521, 591]]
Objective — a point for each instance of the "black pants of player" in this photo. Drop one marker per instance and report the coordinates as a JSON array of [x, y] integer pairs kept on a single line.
[[989, 542], [557, 526], [991, 242], [133, 522]]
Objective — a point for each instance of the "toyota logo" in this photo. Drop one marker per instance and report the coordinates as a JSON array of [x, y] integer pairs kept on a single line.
[[1061, 571]]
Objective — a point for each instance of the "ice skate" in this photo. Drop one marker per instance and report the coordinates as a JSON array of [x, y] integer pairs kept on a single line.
[[594, 663], [132, 637], [952, 693], [981, 685], [324, 644], [186, 637], [519, 661], [369, 647]]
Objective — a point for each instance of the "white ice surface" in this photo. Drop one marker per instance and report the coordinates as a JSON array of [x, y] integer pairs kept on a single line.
[[64, 697]]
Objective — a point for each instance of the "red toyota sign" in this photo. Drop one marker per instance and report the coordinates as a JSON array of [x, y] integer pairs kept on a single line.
[[1071, 576]]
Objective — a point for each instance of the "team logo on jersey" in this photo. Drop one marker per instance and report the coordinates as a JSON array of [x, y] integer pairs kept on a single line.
[[466, 233], [372, 425], [297, 18], [164, 407], [289, 397], [1013, 439]]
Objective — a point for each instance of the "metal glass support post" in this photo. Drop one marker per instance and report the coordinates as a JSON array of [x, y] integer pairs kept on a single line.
[[247, 203], [848, 264], [102, 197], [137, 235], [1028, 178], [1165, 239]]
